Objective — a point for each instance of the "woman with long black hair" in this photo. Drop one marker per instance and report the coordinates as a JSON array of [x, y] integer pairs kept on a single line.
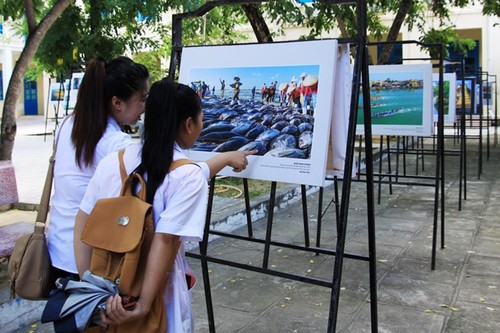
[[173, 121]]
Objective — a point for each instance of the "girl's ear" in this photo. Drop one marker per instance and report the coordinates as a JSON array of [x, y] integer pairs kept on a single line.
[[185, 132], [189, 125], [116, 103]]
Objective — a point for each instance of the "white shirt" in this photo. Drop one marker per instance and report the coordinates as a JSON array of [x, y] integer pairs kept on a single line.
[[70, 183], [179, 208]]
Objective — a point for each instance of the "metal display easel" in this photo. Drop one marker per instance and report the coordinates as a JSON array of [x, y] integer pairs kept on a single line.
[[436, 181], [494, 101], [474, 74], [360, 78], [62, 89]]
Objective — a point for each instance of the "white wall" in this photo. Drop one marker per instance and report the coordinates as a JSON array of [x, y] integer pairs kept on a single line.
[[10, 48]]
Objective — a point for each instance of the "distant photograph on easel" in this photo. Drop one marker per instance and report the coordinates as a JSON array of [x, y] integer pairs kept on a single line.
[[63, 95], [449, 96], [466, 100], [279, 106], [400, 100], [76, 80], [487, 93], [56, 92]]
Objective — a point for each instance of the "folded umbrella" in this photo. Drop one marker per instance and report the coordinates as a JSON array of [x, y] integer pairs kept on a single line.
[[76, 303]]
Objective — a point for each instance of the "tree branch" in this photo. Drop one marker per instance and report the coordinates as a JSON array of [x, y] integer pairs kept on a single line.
[[29, 9], [258, 23], [394, 30]]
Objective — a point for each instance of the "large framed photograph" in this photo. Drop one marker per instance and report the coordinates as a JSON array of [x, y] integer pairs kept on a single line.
[[273, 98], [449, 96], [400, 100]]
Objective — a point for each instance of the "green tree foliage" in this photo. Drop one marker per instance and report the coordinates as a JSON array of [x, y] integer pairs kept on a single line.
[[39, 19], [449, 38], [113, 27]]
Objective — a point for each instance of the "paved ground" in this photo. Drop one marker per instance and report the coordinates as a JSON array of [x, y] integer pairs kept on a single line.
[[460, 295]]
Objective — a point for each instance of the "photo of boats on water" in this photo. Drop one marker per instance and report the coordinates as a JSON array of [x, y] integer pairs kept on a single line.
[[278, 107], [449, 96], [400, 100]]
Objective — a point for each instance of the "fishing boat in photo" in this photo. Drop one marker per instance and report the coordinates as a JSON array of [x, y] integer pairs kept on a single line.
[[387, 113]]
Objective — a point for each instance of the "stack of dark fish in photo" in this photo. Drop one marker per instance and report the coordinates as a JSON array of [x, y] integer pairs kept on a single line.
[[271, 129]]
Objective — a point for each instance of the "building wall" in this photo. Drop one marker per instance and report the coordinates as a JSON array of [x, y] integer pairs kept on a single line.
[[11, 47], [469, 23]]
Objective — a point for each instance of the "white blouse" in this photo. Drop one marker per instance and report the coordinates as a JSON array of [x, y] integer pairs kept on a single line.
[[70, 183]]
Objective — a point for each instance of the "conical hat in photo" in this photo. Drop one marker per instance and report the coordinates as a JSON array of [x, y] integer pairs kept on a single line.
[[310, 80], [283, 86]]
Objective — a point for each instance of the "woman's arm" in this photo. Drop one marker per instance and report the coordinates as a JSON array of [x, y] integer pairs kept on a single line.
[[161, 260], [235, 159], [82, 251]]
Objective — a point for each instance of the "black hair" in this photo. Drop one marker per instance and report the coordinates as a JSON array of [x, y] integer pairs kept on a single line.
[[168, 106], [120, 77]]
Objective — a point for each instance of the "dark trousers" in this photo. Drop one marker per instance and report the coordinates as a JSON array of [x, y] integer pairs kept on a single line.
[[59, 273]]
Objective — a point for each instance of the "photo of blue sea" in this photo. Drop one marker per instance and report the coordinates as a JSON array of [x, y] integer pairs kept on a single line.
[[396, 99]]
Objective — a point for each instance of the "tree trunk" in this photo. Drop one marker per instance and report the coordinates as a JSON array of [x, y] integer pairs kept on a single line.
[[394, 30], [258, 23], [9, 128]]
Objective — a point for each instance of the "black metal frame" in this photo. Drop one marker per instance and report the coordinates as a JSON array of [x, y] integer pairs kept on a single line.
[[438, 179], [475, 73], [360, 77], [495, 121]]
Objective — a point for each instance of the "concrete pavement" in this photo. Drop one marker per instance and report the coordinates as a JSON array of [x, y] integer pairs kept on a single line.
[[460, 295]]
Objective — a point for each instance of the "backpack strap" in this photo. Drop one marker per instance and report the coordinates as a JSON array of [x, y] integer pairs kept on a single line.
[[178, 163], [126, 190], [126, 179], [123, 172], [175, 164]]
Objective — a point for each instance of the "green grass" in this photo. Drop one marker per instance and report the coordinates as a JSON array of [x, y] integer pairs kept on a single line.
[[232, 187]]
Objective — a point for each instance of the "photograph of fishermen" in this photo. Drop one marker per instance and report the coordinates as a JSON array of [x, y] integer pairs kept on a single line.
[[269, 109]]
